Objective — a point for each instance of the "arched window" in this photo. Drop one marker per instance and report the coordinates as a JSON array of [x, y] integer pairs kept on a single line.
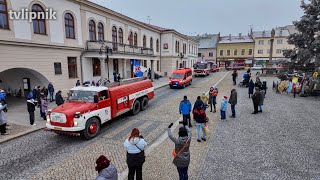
[[151, 43], [176, 49], [69, 26], [39, 23], [92, 30], [4, 15], [157, 45], [120, 36], [144, 41], [135, 39], [114, 37], [130, 38], [100, 32]]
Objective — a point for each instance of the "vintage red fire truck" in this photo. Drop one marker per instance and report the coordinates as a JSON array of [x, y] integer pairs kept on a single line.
[[88, 107]]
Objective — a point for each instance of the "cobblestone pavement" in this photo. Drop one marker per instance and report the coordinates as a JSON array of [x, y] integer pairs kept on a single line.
[[280, 143], [44, 155]]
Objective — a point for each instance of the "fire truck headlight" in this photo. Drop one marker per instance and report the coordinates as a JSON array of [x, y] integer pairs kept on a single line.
[[48, 118], [75, 124]]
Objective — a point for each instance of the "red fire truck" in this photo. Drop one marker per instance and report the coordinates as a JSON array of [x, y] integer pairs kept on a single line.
[[213, 67], [201, 69], [88, 107]]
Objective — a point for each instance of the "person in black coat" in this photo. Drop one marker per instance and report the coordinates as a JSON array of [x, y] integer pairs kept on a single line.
[[59, 98], [234, 77], [256, 98], [31, 104], [264, 87], [258, 83], [251, 88]]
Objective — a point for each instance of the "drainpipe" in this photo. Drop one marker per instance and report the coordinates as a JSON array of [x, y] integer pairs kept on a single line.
[[160, 53]]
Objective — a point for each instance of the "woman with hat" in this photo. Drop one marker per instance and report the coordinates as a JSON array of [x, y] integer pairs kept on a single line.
[[106, 170]]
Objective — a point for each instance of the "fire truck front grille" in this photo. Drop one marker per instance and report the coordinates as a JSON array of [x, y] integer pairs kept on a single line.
[[58, 117]]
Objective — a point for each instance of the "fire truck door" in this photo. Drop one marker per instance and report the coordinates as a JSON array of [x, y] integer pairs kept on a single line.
[[104, 106], [123, 103]]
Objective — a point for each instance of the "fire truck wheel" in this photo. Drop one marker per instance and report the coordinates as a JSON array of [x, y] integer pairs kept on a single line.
[[136, 107], [144, 103], [91, 129]]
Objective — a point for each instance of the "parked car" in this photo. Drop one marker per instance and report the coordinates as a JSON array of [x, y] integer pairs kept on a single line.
[[257, 67]]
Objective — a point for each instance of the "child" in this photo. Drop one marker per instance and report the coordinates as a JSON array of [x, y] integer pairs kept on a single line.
[[204, 99], [224, 106]]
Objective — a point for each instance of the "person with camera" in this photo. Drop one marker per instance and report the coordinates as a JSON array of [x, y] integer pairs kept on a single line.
[[181, 152], [135, 146]]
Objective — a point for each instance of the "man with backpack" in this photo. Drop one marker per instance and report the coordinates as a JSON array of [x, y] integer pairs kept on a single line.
[[200, 118]]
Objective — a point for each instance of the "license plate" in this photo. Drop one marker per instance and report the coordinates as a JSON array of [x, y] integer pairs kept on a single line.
[[57, 128]]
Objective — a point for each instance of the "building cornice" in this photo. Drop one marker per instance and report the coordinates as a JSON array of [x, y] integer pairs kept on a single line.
[[39, 45]]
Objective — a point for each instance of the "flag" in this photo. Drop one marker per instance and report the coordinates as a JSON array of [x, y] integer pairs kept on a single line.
[[138, 70]]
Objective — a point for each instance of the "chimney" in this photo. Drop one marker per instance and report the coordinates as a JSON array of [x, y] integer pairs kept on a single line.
[[240, 35], [230, 37]]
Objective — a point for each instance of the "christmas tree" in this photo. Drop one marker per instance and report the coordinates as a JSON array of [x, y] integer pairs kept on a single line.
[[307, 40]]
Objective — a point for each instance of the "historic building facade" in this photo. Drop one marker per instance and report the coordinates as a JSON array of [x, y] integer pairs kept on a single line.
[[235, 49], [207, 46], [77, 45]]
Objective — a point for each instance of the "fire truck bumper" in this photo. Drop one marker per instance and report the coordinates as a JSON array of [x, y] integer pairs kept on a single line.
[[49, 127]]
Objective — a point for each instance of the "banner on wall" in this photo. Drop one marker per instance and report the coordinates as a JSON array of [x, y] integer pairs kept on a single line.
[[138, 69]]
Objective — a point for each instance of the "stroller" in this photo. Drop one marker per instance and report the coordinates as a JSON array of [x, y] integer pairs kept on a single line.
[[243, 83]]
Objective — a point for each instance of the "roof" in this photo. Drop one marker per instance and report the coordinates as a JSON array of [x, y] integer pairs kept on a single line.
[[235, 39], [279, 32], [158, 28], [89, 88], [207, 41], [181, 71]]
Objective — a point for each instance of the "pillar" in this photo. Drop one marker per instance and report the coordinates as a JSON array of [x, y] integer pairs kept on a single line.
[[152, 70], [103, 69], [124, 68]]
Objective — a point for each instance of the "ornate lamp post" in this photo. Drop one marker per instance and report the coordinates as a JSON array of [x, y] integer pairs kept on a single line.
[[181, 57], [104, 53]]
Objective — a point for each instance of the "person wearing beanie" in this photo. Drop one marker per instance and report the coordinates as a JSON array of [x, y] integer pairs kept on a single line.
[[224, 107], [181, 152], [198, 103], [185, 109], [106, 171]]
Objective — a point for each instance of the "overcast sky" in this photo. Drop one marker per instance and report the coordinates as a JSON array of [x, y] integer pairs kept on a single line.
[[193, 17]]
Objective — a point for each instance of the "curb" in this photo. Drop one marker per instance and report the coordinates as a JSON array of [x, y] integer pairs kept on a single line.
[[35, 130]]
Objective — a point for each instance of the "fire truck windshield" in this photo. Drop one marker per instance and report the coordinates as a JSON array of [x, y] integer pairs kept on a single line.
[[177, 76], [87, 96], [200, 66]]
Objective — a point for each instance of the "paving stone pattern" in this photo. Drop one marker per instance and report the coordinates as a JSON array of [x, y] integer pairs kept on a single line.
[[45, 155]]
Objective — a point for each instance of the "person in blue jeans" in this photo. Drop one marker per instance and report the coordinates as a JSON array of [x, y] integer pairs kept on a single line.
[[233, 101], [51, 90], [224, 107], [200, 118], [185, 109]]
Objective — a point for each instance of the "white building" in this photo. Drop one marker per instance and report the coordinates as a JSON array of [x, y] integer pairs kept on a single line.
[[67, 49]]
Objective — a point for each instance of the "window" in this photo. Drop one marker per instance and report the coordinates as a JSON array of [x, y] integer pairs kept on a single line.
[[250, 51], [235, 52], [120, 36], [144, 40], [261, 42], [100, 32], [199, 55], [135, 39], [145, 64], [268, 51], [243, 51], [228, 52], [151, 43], [260, 51], [130, 38], [221, 52], [39, 23], [189, 49], [279, 41], [72, 67], [69, 26], [279, 51], [92, 30], [57, 68], [176, 47], [157, 45], [3, 15], [96, 67], [210, 54], [177, 65], [158, 66], [114, 38]]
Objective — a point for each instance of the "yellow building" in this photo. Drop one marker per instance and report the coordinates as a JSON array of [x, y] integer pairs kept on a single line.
[[235, 49], [262, 45]]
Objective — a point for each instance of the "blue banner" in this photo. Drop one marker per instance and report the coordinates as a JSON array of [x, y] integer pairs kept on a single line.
[[138, 70]]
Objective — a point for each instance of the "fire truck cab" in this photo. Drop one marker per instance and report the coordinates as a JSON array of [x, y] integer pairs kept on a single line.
[[201, 69], [88, 107]]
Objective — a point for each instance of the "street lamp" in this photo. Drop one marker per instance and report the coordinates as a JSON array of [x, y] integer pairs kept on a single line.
[[181, 57], [104, 53]]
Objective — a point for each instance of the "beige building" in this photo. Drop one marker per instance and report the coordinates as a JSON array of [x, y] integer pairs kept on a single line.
[[77, 45], [235, 49], [262, 45]]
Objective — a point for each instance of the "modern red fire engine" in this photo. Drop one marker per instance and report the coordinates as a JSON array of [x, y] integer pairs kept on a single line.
[[88, 107]]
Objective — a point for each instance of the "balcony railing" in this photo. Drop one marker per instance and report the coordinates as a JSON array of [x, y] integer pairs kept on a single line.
[[118, 48]]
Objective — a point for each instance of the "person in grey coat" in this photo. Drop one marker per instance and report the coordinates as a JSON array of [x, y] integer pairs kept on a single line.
[[3, 119], [106, 170], [261, 100], [233, 101], [181, 151]]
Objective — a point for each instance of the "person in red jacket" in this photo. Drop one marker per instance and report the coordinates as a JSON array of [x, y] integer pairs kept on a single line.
[[213, 93], [200, 118]]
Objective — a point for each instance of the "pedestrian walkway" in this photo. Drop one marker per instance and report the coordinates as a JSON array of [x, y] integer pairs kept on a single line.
[[18, 116]]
